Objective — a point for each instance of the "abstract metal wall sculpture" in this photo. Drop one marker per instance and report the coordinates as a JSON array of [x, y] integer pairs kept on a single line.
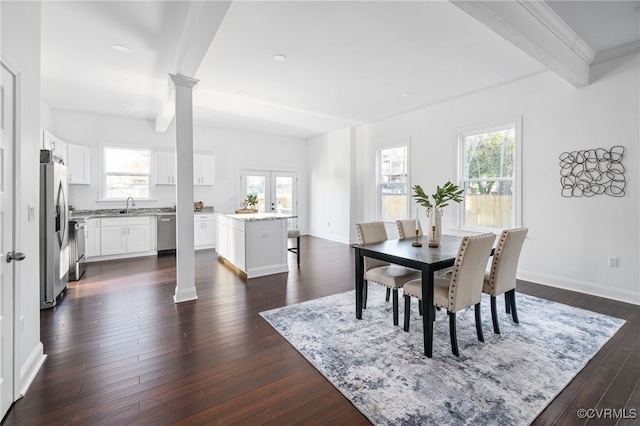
[[591, 172]]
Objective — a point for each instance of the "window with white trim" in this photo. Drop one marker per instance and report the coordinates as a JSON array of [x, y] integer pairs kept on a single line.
[[127, 173], [489, 171], [392, 181]]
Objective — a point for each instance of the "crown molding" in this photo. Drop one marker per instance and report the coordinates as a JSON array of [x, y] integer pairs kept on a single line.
[[617, 52], [533, 27], [547, 17]]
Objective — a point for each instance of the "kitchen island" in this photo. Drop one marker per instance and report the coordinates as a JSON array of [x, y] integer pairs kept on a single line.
[[255, 243]]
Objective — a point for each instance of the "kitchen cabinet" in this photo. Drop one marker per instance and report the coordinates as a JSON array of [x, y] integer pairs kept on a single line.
[[92, 238], [204, 169], [230, 240], [120, 235], [255, 243], [165, 168], [204, 231], [78, 164], [51, 142]]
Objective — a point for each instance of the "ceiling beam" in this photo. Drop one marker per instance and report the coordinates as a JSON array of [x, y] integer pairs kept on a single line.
[[201, 25], [537, 30]]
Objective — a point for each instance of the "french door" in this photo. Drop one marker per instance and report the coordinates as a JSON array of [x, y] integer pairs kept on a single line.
[[276, 191]]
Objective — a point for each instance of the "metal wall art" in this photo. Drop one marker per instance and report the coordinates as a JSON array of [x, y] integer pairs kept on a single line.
[[592, 171]]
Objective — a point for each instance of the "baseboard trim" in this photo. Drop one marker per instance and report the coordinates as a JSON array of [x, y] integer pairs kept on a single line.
[[333, 238], [581, 287], [31, 367]]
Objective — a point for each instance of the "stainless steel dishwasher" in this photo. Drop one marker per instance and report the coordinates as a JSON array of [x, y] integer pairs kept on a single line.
[[166, 228]]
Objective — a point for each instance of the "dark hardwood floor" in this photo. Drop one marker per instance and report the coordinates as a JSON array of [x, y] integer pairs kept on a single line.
[[121, 352]]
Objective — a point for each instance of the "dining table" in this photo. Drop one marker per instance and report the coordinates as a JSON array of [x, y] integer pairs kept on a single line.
[[403, 252]]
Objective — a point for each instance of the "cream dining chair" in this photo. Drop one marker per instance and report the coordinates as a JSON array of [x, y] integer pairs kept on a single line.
[[407, 228], [462, 290], [501, 277], [389, 275]]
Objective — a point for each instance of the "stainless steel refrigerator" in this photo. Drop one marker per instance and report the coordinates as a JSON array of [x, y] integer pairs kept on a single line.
[[54, 234]]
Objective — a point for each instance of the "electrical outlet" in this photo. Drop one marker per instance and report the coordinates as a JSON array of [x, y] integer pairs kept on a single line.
[[31, 212], [612, 262], [265, 234]]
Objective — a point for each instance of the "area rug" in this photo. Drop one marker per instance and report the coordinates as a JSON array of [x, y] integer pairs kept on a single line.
[[507, 380]]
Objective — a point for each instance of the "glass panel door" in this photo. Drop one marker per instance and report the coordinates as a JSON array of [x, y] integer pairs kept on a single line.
[[276, 191], [283, 186], [258, 183]]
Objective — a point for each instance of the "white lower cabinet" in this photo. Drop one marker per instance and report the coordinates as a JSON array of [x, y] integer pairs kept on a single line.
[[119, 235], [204, 231], [92, 238], [230, 241]]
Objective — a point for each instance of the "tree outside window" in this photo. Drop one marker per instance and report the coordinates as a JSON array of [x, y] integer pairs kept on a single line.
[[488, 176]]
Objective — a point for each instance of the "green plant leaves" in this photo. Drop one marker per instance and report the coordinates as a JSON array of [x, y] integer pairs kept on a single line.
[[443, 195]]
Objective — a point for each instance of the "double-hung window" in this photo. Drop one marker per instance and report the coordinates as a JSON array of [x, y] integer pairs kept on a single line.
[[392, 182], [489, 172], [127, 173]]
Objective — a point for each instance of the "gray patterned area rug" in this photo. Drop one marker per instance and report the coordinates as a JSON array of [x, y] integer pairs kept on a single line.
[[507, 380]]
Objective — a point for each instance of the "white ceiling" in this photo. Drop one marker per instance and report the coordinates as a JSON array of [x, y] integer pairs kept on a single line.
[[347, 63]]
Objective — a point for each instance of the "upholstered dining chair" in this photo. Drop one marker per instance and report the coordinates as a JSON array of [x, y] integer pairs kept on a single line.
[[389, 275], [501, 277], [462, 290], [407, 228]]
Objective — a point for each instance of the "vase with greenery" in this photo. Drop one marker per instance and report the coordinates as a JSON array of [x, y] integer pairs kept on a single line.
[[251, 202], [449, 192]]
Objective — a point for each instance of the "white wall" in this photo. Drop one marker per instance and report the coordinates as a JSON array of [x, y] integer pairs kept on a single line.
[[331, 176], [21, 48], [569, 238], [233, 152]]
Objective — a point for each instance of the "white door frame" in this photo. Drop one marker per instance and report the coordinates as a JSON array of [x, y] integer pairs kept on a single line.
[[15, 162]]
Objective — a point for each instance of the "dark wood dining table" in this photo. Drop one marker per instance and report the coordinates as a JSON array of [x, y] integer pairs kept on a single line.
[[425, 259]]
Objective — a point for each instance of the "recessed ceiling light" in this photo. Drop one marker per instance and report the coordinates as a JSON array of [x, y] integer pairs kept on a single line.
[[241, 92], [121, 48], [125, 104], [279, 57], [405, 94]]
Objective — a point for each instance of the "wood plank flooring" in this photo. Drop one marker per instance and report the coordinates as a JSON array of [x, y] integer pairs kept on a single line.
[[121, 352]]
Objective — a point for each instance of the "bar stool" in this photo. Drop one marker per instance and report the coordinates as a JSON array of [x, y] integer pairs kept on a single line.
[[294, 233]]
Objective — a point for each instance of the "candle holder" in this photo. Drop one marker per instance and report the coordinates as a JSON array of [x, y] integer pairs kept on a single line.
[[417, 243]]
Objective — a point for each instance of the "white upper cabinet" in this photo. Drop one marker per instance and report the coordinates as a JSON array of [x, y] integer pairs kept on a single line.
[[204, 169], [51, 142], [165, 168], [78, 164]]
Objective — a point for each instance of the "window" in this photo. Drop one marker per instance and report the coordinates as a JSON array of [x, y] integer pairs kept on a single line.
[[393, 202], [489, 173], [126, 173]]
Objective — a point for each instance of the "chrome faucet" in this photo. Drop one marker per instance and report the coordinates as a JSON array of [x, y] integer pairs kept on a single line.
[[133, 204]]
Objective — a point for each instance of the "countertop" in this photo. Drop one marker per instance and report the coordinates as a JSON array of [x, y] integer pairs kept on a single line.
[[161, 211], [248, 217]]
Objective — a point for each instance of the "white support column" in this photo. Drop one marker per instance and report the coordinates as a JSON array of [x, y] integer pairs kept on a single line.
[[185, 253]]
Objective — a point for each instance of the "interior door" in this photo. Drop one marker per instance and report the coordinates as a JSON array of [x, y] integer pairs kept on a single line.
[[7, 237], [276, 191]]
